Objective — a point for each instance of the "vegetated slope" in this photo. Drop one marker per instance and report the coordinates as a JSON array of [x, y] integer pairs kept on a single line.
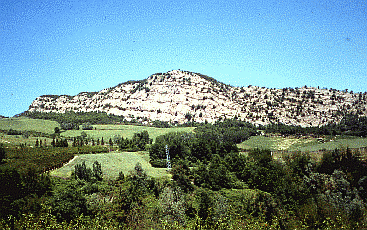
[[125, 131], [181, 96], [112, 164], [303, 144], [28, 124]]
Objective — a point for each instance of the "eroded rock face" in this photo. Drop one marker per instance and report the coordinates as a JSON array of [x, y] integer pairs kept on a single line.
[[178, 96]]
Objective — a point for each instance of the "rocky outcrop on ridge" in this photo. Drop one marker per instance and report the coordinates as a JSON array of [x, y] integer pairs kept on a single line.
[[179, 96]]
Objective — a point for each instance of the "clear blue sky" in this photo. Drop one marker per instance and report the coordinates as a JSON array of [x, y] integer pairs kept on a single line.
[[66, 47]]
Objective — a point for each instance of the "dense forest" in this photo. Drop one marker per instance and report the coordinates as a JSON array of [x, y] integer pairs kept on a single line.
[[212, 185]]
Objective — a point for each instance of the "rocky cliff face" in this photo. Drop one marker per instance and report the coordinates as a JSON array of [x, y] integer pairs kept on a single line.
[[179, 96]]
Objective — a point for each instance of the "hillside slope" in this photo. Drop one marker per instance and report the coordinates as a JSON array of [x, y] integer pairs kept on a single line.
[[179, 96]]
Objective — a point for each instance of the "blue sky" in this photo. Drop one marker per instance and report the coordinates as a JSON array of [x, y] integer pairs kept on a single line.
[[67, 47]]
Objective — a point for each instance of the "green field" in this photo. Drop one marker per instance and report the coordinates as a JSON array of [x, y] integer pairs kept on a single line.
[[126, 131], [15, 140], [302, 144], [113, 163], [28, 124]]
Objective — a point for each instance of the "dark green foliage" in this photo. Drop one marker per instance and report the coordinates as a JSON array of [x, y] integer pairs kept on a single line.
[[202, 150], [181, 175], [68, 203], [177, 144], [82, 172], [14, 132], [299, 163], [35, 183], [188, 116], [215, 175], [60, 143], [87, 126], [20, 191], [40, 159], [97, 171], [262, 172], [57, 130], [205, 204], [208, 140], [345, 160], [11, 189], [220, 176], [136, 189], [161, 124], [139, 142], [227, 131], [2, 153], [77, 118]]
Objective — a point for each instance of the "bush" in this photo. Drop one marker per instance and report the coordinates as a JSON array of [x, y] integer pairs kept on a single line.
[[2, 153], [68, 203], [83, 173], [87, 126], [14, 132]]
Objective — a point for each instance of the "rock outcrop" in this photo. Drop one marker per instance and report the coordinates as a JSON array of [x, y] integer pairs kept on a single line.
[[178, 96]]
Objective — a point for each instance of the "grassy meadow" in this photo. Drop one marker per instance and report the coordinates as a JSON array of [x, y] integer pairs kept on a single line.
[[303, 144], [125, 131], [28, 124], [113, 163]]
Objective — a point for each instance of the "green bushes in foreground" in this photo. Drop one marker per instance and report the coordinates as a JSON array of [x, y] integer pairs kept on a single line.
[[218, 189]]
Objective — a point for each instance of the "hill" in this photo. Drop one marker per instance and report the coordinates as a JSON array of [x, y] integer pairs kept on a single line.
[[27, 124], [180, 96]]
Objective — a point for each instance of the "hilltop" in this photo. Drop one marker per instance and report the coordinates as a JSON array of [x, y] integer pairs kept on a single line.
[[180, 96]]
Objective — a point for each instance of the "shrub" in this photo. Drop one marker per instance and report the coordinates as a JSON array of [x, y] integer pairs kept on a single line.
[[2, 153], [83, 173]]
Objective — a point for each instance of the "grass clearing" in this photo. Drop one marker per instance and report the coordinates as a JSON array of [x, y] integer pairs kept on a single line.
[[302, 144], [338, 142], [113, 163], [28, 124], [126, 131], [261, 142]]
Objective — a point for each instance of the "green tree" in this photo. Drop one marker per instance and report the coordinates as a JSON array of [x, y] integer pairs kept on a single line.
[[2, 153], [205, 204], [220, 177], [97, 171], [11, 189], [140, 140], [82, 172], [68, 203], [136, 188], [57, 130], [181, 175]]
